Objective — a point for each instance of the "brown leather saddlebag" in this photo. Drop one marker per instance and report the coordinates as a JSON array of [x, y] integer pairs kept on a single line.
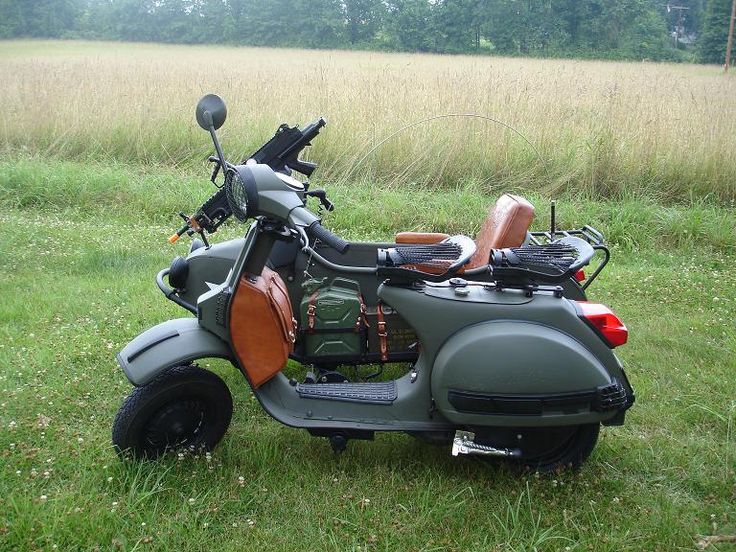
[[262, 325]]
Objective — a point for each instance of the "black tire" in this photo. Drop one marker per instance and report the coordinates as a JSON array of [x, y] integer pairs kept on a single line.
[[184, 407], [546, 449]]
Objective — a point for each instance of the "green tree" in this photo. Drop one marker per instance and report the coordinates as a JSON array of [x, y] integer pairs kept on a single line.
[[39, 18], [526, 27], [296, 23], [625, 29], [410, 25], [11, 18], [363, 19], [714, 32], [459, 23]]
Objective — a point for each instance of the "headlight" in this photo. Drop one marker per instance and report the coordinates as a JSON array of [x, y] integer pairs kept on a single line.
[[242, 196]]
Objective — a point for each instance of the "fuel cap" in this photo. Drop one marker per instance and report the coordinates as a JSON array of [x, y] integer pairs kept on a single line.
[[458, 282]]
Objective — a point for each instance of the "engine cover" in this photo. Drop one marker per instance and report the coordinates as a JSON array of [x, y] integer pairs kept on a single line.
[[517, 373]]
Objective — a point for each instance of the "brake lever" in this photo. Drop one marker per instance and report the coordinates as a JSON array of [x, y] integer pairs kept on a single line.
[[322, 196], [215, 170]]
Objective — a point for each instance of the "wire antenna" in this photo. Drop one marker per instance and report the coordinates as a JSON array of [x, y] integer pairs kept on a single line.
[[448, 116]]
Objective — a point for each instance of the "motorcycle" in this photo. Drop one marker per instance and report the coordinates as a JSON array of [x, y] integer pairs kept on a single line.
[[505, 356]]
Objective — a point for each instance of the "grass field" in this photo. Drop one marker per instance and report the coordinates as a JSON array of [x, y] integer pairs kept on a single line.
[[88, 196], [599, 128]]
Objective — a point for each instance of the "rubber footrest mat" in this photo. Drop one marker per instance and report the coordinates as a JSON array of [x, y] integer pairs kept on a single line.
[[374, 393]]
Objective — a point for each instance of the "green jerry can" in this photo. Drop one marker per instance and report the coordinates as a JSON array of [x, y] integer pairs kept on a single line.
[[332, 320]]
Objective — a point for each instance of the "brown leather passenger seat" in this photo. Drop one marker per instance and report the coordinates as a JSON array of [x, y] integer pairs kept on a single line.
[[506, 226]]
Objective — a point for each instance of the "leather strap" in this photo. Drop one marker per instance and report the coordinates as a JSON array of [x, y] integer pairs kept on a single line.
[[311, 310], [287, 322], [362, 321], [382, 333]]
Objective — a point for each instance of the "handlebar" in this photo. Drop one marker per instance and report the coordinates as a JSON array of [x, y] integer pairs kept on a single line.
[[281, 153], [319, 232]]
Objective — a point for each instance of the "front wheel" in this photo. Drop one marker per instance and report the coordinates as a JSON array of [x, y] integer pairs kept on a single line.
[[183, 408]]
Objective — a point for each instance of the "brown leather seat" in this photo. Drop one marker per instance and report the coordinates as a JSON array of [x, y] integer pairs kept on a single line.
[[506, 226], [420, 237]]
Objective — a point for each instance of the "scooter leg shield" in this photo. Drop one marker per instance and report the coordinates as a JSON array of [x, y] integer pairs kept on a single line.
[[514, 373], [170, 343], [207, 267]]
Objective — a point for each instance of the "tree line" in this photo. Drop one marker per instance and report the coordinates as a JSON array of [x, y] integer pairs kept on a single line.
[[609, 29]]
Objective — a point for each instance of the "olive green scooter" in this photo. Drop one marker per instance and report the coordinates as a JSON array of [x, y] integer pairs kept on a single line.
[[503, 363]]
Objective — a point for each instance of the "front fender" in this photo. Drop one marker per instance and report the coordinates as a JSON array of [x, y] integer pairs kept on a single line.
[[169, 344]]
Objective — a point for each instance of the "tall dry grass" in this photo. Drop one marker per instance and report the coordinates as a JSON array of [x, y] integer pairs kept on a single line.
[[601, 128]]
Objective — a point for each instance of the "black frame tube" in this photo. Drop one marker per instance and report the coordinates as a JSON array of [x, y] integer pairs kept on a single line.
[[171, 293]]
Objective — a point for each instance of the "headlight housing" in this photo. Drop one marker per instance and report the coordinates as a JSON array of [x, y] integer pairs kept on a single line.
[[240, 189]]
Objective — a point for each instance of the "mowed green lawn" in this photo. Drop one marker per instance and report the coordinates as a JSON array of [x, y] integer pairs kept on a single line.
[[80, 247]]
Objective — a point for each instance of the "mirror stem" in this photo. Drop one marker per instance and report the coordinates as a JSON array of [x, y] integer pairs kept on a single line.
[[218, 148]]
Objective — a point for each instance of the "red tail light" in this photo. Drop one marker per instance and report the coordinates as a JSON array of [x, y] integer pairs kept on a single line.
[[580, 275], [607, 324]]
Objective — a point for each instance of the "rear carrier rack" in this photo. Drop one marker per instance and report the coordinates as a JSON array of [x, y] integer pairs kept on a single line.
[[587, 233]]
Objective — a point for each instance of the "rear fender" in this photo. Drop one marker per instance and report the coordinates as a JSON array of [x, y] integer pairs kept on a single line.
[[170, 343]]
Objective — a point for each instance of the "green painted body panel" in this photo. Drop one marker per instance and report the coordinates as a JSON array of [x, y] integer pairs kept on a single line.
[[513, 358], [209, 267], [503, 342], [213, 305], [170, 343]]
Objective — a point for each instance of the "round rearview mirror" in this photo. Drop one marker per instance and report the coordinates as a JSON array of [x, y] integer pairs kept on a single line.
[[211, 111]]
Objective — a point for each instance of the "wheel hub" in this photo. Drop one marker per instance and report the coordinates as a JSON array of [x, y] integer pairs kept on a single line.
[[175, 425]]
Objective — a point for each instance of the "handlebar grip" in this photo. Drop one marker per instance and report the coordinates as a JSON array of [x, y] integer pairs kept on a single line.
[[321, 233]]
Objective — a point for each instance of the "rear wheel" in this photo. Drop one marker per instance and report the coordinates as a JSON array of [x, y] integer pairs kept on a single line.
[[545, 449], [184, 407]]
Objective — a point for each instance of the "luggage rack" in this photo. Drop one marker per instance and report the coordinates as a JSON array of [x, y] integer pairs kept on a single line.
[[587, 233]]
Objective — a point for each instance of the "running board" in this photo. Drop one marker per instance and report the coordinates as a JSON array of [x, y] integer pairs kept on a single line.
[[368, 393], [464, 443]]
